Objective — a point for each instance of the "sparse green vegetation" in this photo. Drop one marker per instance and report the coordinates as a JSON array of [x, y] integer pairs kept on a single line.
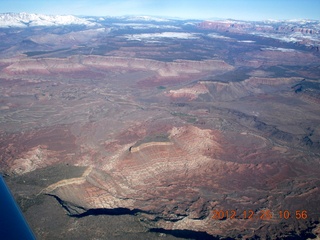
[[191, 120], [161, 87], [162, 137], [35, 53], [187, 117], [180, 114]]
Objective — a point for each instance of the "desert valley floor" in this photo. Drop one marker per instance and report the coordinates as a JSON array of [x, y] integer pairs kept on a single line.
[[140, 129]]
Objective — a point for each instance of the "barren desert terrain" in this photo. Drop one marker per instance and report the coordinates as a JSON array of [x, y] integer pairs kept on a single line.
[[163, 130]]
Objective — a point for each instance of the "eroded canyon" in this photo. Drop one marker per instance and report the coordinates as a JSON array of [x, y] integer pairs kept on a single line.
[[138, 132]]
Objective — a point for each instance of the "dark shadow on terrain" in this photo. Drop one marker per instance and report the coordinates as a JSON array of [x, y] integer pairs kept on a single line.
[[101, 211], [187, 234], [302, 236]]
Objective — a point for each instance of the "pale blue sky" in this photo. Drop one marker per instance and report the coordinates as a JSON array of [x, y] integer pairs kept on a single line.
[[199, 9]]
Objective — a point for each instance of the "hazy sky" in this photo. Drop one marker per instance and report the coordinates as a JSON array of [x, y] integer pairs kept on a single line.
[[201, 9]]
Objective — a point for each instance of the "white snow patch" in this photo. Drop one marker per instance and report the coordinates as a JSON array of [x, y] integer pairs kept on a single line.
[[31, 20], [215, 35], [145, 26], [247, 41], [279, 49], [179, 35], [147, 18]]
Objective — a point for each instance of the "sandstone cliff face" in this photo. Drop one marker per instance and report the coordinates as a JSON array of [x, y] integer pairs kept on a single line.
[[82, 63], [228, 91], [234, 26], [178, 183], [189, 93], [111, 125], [225, 26]]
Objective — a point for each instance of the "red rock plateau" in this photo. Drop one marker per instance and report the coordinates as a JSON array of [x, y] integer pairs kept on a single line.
[[202, 134], [290, 31], [189, 93], [76, 64], [178, 183], [244, 27]]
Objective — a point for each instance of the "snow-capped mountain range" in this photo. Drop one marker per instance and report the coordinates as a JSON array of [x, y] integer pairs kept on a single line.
[[32, 20], [306, 32]]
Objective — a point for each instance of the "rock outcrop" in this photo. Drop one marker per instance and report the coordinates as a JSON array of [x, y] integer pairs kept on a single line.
[[228, 91], [85, 63], [180, 183], [209, 132], [189, 93], [243, 26]]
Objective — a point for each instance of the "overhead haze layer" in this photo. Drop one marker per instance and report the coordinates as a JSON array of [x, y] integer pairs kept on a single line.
[[200, 9]]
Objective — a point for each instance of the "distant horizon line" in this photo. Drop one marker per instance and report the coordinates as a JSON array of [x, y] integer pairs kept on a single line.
[[167, 17]]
